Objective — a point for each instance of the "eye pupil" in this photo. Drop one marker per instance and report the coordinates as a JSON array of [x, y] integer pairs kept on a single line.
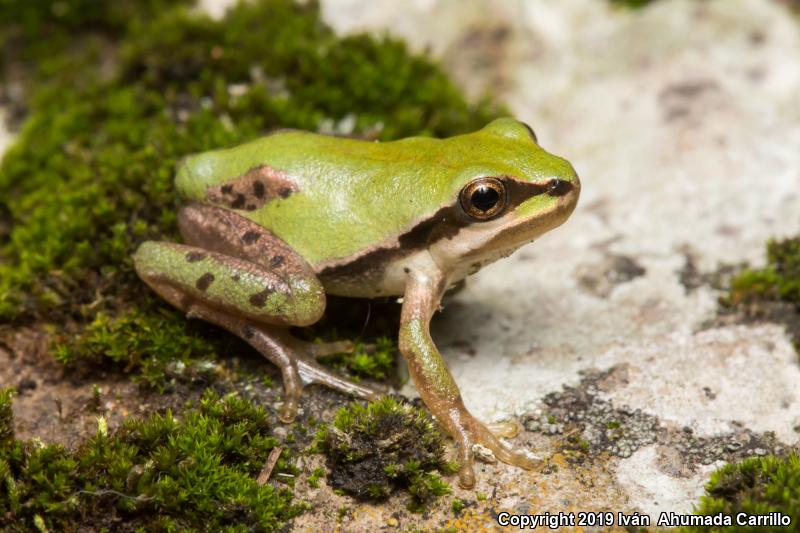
[[485, 198]]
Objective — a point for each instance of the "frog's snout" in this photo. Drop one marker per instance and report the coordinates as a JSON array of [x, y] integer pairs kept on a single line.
[[567, 191]]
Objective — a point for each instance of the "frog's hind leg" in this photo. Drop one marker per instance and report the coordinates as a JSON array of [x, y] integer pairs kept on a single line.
[[297, 369], [241, 277]]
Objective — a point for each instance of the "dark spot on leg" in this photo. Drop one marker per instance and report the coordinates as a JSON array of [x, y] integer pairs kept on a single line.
[[238, 203], [250, 237], [250, 207], [276, 261], [248, 331], [285, 192], [204, 281], [235, 277], [258, 189], [226, 189], [260, 298], [406, 270], [193, 257]]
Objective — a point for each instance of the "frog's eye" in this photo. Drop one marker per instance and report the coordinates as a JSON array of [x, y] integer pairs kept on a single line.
[[483, 198], [531, 132]]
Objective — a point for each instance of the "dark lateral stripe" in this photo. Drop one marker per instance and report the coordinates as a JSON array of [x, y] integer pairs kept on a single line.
[[445, 223]]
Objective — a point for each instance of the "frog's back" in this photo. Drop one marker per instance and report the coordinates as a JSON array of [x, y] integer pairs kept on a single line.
[[327, 197]]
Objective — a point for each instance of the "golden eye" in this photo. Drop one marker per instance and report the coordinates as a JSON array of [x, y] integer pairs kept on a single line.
[[483, 198]]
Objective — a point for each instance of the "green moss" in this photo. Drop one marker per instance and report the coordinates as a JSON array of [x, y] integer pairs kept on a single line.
[[383, 446], [755, 486], [632, 4], [6, 417], [779, 280], [90, 176], [773, 292], [193, 473], [156, 343], [457, 506], [375, 361], [316, 475]]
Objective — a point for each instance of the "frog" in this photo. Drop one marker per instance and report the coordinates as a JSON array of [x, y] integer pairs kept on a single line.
[[273, 226]]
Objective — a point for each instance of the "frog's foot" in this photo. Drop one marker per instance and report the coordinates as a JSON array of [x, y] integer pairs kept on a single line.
[[468, 432]]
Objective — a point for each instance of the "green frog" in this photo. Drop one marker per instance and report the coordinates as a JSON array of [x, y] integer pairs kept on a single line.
[[274, 225]]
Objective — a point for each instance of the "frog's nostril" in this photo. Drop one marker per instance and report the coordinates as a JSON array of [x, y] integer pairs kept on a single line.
[[557, 187]]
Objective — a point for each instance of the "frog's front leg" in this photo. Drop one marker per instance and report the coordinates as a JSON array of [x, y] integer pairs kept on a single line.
[[424, 289], [241, 277]]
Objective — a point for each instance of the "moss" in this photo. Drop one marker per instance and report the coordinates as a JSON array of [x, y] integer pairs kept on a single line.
[[773, 292], [375, 361], [6, 418], [156, 343], [384, 446], [779, 280], [457, 505], [193, 473], [316, 475], [632, 4], [90, 176], [755, 486]]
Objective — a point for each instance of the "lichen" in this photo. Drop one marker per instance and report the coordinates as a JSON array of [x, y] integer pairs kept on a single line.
[[755, 486], [378, 448], [141, 84], [196, 472]]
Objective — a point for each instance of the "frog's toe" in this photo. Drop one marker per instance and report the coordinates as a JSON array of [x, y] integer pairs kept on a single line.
[[507, 428], [505, 452], [292, 390], [313, 372], [471, 433], [288, 411], [466, 473]]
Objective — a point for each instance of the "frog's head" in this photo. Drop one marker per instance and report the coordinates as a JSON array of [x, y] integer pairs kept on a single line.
[[511, 193]]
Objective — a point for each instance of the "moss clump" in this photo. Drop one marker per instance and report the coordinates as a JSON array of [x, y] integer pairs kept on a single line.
[[376, 361], [779, 280], [193, 473], [759, 485], [154, 342], [773, 292], [90, 176], [377, 448]]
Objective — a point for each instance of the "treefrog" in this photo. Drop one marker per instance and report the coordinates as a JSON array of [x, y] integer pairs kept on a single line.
[[273, 225]]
